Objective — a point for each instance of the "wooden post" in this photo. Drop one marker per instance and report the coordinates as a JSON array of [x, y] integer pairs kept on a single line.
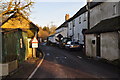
[[34, 52]]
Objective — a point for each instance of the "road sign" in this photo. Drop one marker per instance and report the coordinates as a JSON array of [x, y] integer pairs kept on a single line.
[[34, 43]]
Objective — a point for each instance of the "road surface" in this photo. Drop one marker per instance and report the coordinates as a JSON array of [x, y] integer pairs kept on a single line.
[[61, 63]]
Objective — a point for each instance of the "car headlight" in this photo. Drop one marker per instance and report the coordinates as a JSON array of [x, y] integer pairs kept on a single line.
[[71, 45]]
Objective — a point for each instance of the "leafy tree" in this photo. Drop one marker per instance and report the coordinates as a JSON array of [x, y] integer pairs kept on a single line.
[[45, 28], [46, 31], [43, 34]]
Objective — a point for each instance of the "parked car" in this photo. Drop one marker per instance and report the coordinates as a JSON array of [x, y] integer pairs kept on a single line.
[[73, 45], [64, 42]]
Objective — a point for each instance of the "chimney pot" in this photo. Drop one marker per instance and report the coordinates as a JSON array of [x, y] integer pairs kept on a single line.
[[67, 16]]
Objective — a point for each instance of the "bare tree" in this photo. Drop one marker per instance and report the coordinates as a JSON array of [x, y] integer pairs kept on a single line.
[[12, 6]]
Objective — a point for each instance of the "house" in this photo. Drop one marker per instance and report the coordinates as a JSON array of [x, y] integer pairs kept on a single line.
[[62, 29], [103, 10], [52, 39], [103, 37], [77, 24], [18, 20], [14, 33], [12, 49]]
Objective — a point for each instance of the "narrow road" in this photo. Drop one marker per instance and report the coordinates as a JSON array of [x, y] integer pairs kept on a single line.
[[61, 63]]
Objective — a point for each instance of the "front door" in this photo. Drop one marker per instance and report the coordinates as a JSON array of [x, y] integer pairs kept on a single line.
[[98, 45]]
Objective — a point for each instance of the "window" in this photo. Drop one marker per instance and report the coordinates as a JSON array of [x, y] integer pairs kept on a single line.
[[73, 23], [114, 9], [79, 20], [70, 26], [85, 16]]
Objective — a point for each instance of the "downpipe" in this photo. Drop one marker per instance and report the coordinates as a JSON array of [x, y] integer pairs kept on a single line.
[[119, 43]]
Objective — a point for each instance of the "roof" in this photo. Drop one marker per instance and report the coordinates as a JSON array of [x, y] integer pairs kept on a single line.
[[15, 15], [63, 25], [94, 4], [108, 25], [5, 30], [81, 11], [84, 9], [52, 35]]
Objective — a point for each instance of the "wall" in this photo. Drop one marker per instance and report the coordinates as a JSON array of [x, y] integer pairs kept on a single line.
[[79, 27], [0, 53], [29, 53], [7, 68], [12, 49], [90, 48], [70, 32], [80, 24], [0, 47], [103, 11], [62, 31], [109, 45]]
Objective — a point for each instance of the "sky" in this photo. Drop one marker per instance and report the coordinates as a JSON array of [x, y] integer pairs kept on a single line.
[[53, 13]]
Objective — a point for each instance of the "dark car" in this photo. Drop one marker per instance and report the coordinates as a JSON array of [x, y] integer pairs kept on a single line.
[[64, 42]]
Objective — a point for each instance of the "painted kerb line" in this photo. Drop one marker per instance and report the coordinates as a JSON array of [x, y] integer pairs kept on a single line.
[[36, 67]]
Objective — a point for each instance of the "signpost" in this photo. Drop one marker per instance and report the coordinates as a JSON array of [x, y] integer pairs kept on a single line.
[[34, 45]]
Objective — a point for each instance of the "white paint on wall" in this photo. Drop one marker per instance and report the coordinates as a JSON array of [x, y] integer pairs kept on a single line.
[[104, 11], [76, 31], [70, 27], [90, 47], [62, 31], [109, 46]]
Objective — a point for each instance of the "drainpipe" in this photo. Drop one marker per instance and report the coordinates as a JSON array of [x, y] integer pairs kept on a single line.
[[73, 33], [88, 9], [119, 43], [88, 24]]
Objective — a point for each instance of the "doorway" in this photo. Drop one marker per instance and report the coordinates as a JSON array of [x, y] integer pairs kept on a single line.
[[98, 45]]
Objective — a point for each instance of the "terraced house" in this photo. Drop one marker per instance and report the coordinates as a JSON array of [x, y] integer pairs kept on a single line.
[[103, 37]]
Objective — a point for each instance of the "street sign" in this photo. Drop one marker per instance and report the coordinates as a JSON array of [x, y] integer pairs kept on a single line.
[[34, 43]]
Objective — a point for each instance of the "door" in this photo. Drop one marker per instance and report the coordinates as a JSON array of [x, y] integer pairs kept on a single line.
[[98, 45]]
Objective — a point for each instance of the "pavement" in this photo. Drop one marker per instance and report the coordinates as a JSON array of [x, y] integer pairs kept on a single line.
[[24, 70]]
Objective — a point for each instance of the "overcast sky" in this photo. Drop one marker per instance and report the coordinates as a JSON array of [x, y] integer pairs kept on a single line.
[[44, 13]]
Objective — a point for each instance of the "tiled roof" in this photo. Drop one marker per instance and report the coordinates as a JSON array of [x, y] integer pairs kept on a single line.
[[108, 25], [81, 11], [15, 15], [63, 25]]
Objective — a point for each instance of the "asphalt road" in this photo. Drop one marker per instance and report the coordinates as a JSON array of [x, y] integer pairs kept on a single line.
[[61, 63]]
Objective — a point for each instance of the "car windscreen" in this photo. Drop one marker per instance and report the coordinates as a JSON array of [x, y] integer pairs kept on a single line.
[[74, 43]]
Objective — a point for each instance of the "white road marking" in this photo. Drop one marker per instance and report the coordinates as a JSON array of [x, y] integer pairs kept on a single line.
[[79, 57], [36, 68], [48, 54], [65, 57]]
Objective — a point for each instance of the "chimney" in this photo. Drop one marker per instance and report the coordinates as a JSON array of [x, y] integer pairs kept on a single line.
[[67, 16]]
